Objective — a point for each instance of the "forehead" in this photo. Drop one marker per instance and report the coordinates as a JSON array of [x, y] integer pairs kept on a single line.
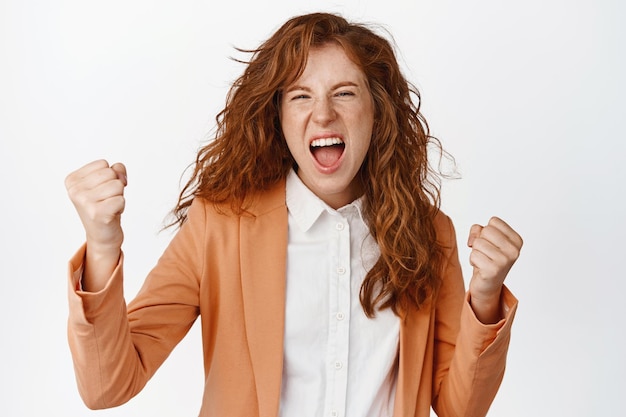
[[330, 62]]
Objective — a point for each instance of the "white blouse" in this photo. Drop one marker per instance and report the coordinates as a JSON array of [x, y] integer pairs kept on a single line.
[[337, 361]]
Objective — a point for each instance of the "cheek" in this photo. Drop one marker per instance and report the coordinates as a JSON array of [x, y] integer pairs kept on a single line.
[[291, 137], [366, 123], [367, 143], [288, 123]]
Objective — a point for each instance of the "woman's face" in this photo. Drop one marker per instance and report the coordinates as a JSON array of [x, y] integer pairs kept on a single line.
[[327, 116]]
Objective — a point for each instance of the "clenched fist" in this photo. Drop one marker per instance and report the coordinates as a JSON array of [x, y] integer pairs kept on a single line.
[[495, 248], [97, 192]]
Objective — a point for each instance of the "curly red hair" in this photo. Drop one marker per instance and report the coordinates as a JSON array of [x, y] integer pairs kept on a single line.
[[249, 154]]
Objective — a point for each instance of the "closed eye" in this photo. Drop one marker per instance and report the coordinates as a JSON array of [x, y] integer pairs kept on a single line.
[[344, 94]]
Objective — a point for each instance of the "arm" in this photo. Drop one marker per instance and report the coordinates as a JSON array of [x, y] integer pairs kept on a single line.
[[470, 356], [495, 248], [97, 192], [116, 349]]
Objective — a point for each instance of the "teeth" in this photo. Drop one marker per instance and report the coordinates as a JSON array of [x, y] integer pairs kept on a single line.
[[326, 142]]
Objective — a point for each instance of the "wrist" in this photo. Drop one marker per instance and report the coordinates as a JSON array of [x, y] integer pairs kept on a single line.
[[487, 307], [100, 262], [107, 246]]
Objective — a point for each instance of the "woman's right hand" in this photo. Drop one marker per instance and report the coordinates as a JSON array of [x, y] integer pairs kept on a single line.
[[97, 192]]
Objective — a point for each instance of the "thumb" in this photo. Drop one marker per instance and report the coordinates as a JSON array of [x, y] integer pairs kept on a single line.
[[473, 234], [120, 170]]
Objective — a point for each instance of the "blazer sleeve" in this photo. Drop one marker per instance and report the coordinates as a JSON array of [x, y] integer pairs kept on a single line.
[[115, 348], [470, 357]]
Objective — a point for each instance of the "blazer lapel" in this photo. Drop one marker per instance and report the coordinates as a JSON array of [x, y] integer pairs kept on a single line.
[[414, 335], [263, 240]]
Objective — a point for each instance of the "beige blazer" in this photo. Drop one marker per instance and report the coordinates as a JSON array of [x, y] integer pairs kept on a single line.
[[230, 270]]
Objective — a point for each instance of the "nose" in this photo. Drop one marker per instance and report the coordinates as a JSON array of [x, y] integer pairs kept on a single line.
[[323, 111]]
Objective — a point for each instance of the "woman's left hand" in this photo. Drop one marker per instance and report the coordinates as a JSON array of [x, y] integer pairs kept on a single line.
[[495, 248]]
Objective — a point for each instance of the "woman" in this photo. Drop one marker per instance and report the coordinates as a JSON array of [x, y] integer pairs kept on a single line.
[[311, 244]]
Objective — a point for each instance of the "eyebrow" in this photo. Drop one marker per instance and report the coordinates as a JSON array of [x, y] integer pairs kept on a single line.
[[334, 87]]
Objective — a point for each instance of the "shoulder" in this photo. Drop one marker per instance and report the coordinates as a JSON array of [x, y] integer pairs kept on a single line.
[[267, 201], [257, 204], [444, 228]]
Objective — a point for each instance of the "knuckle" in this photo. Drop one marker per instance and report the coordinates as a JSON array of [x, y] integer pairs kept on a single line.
[[118, 187], [107, 174], [79, 198], [69, 181], [511, 252]]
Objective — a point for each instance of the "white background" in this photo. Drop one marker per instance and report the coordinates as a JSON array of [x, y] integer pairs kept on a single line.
[[527, 95]]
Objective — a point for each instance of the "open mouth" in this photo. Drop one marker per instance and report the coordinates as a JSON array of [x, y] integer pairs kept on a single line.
[[327, 151]]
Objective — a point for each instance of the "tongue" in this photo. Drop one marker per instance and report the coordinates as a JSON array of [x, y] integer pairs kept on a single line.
[[327, 156]]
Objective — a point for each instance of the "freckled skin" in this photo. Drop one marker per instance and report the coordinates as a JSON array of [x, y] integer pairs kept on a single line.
[[330, 99]]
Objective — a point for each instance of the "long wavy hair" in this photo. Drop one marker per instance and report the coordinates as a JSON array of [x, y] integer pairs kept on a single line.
[[402, 191]]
